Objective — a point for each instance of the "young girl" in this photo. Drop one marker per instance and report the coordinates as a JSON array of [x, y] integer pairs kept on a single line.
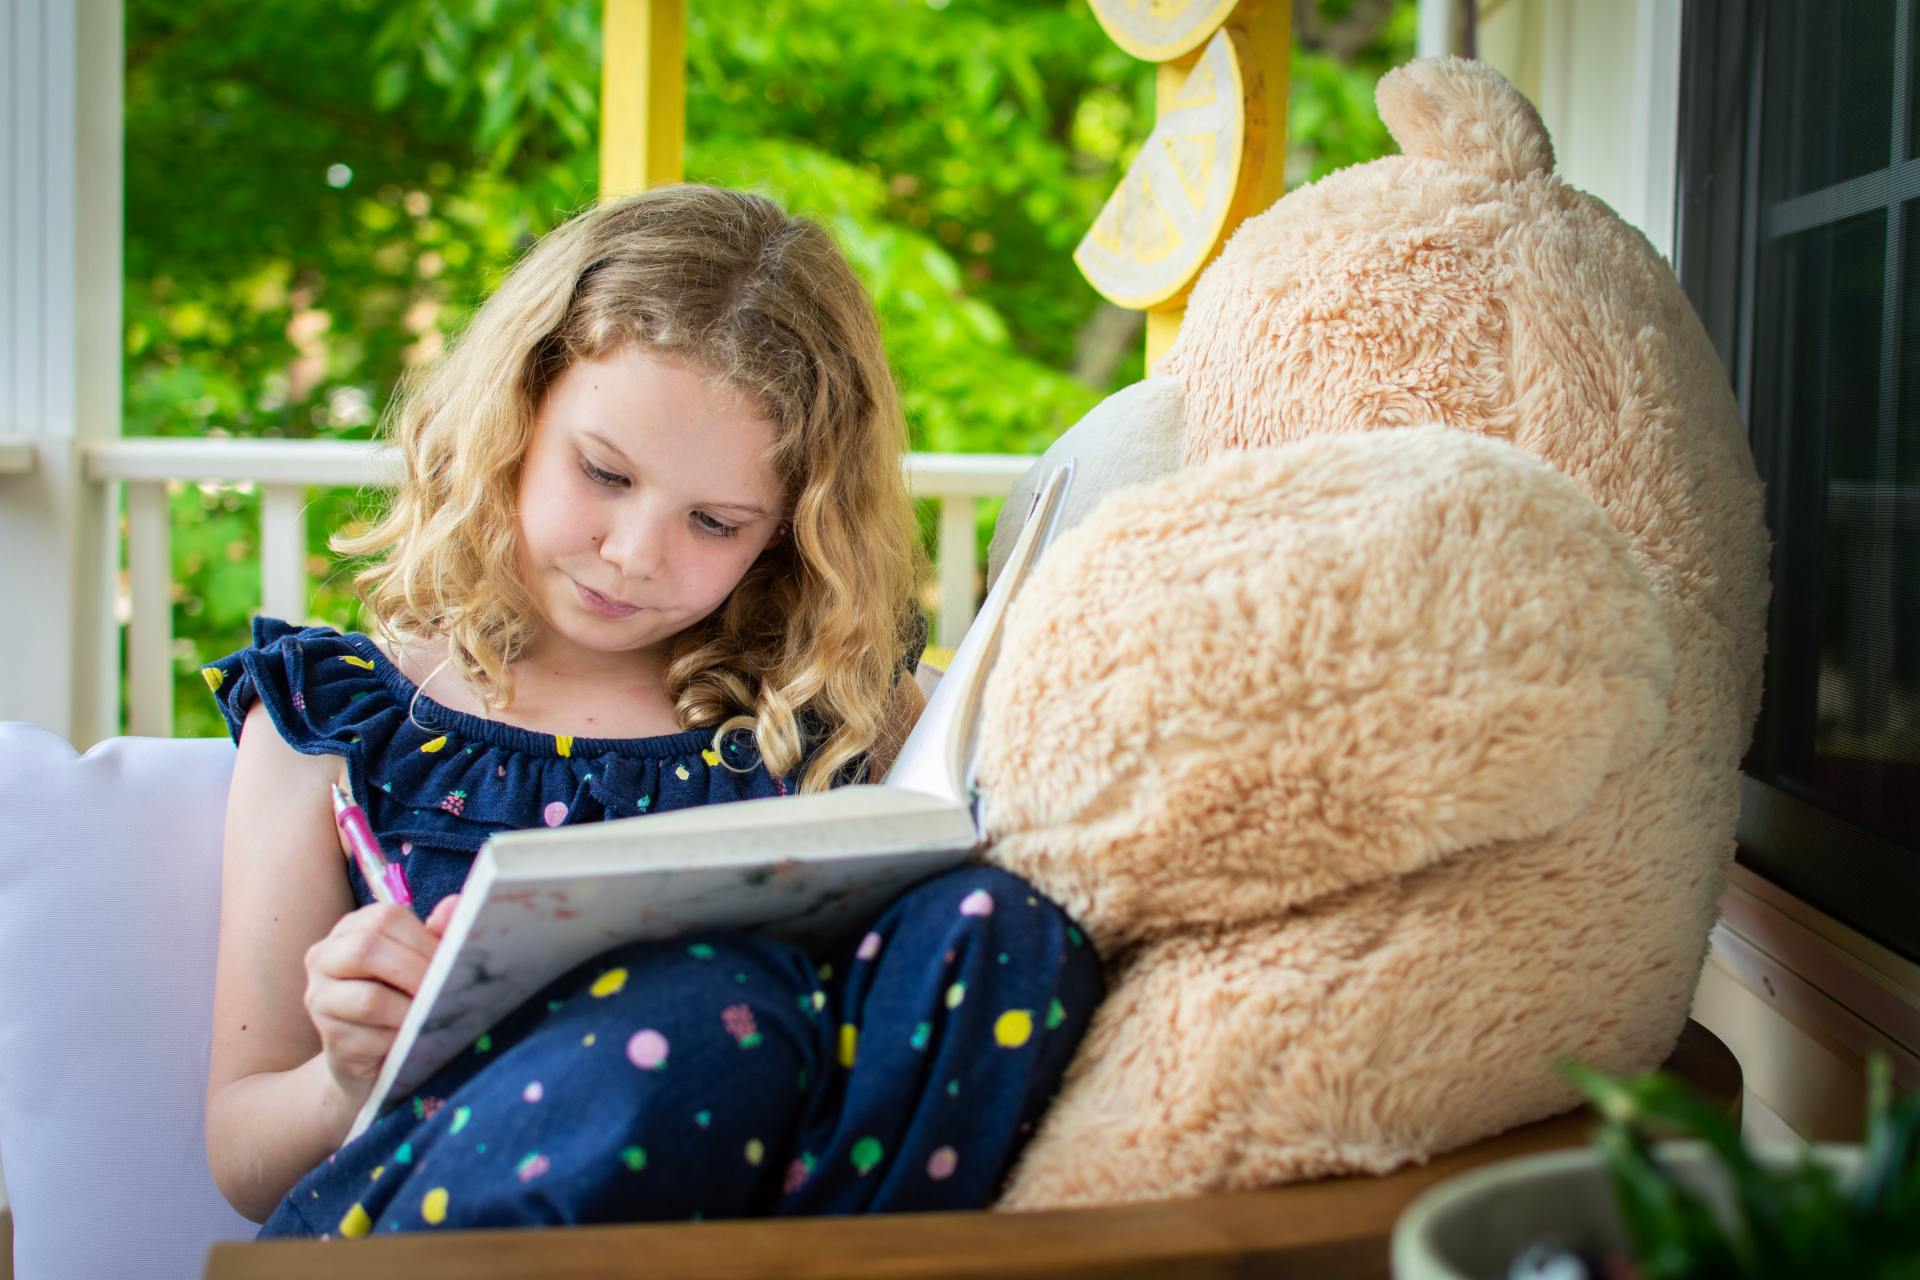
[[652, 550]]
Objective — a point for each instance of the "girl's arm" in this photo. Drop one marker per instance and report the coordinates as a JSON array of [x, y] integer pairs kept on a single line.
[[307, 991], [902, 714]]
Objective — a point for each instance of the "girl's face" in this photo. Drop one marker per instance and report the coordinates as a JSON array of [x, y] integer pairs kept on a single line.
[[645, 496]]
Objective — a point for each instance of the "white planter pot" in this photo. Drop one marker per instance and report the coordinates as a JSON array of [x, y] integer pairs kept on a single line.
[[1471, 1227]]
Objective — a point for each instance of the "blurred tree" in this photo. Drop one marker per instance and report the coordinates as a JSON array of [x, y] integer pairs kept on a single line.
[[316, 202]]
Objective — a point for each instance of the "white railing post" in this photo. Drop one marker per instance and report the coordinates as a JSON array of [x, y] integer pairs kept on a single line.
[[957, 601], [60, 235], [283, 552], [150, 620]]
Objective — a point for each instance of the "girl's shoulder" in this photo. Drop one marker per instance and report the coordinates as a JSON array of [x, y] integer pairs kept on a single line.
[[317, 684]]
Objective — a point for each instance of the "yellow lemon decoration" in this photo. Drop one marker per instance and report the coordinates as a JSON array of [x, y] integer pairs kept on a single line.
[[363, 663], [1164, 222], [356, 1223], [1161, 30], [849, 1043], [214, 677], [680, 772], [435, 745], [563, 744], [433, 1206], [608, 983], [1013, 1028], [712, 758]]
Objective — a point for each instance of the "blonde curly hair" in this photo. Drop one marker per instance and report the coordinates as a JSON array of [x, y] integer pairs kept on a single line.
[[807, 651]]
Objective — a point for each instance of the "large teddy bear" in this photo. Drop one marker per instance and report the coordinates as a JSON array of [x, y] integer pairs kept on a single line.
[[1387, 744]]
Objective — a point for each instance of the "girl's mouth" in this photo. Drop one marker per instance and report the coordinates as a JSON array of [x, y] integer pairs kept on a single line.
[[603, 606]]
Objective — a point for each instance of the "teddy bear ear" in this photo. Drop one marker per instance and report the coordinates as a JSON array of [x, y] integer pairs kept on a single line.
[[1466, 114]]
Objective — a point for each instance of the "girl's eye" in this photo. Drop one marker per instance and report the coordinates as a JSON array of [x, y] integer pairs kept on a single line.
[[608, 478], [718, 528]]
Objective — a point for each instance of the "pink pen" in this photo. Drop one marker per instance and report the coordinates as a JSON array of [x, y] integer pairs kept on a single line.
[[386, 880]]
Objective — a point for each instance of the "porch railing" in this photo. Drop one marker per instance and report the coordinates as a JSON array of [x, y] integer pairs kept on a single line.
[[285, 470]]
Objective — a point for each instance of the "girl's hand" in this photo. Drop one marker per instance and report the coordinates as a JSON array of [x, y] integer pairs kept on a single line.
[[360, 979]]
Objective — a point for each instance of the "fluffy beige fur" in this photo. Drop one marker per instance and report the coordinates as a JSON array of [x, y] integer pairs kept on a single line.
[[1387, 766]]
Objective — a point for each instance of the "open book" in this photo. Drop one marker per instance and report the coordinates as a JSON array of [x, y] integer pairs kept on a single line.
[[809, 868]]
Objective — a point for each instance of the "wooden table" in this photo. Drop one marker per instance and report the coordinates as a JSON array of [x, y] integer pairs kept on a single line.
[[1335, 1228]]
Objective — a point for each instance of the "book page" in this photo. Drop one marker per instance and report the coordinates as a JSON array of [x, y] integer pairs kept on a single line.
[[937, 757]]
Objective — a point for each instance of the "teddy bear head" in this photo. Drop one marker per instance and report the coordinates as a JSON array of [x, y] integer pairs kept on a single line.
[[1439, 413]]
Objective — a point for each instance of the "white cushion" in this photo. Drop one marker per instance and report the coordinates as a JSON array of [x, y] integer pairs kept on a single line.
[[109, 906]]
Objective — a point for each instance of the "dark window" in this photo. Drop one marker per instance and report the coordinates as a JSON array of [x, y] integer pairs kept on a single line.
[[1799, 243]]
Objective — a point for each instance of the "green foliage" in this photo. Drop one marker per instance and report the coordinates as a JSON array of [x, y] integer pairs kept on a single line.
[[318, 198], [1791, 1221]]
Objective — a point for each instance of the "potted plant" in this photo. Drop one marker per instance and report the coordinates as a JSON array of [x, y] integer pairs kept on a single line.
[[1668, 1190]]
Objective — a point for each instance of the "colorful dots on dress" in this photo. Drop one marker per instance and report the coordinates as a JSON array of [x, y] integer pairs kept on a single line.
[[609, 983], [433, 1206], [849, 1043], [798, 1172], [700, 951], [214, 677], [955, 994], [756, 1151], [680, 772], [977, 903], [1056, 1013], [711, 757], [554, 814], [738, 1020], [404, 1155], [356, 1223], [484, 1044], [533, 1092], [563, 744], [531, 1166], [377, 1171], [703, 1118], [460, 1117], [363, 663], [1013, 1028], [635, 1158], [869, 947], [866, 1154], [922, 1033], [647, 1050], [942, 1163], [435, 745]]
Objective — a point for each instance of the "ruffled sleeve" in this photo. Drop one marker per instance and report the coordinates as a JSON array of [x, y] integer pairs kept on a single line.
[[311, 681]]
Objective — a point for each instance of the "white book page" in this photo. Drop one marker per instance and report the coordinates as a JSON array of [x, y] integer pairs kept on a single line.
[[937, 757]]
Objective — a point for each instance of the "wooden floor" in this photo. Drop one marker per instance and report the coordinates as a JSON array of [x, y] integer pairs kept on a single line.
[[1337, 1228]]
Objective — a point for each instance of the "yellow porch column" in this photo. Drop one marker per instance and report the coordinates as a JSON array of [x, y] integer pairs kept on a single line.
[[1217, 154], [643, 95]]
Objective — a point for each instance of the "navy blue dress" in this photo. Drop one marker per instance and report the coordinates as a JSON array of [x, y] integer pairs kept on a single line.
[[705, 1076]]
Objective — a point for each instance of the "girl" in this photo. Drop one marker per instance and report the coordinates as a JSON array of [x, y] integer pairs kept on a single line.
[[652, 549]]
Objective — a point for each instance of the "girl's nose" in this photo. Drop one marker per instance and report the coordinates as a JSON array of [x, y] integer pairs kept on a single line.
[[636, 543]]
